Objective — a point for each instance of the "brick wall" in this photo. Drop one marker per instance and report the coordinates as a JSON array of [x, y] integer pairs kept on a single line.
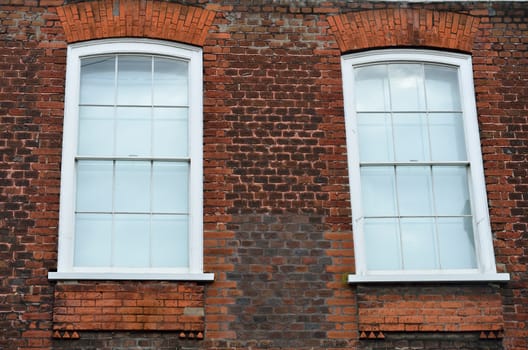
[[110, 306], [276, 205], [32, 52], [431, 341], [500, 57], [461, 308]]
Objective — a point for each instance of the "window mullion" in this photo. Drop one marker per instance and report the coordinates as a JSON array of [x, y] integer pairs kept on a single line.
[[435, 219], [436, 238], [113, 239]]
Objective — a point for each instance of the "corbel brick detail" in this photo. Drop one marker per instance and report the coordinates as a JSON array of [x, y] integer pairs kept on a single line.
[[135, 18], [404, 27]]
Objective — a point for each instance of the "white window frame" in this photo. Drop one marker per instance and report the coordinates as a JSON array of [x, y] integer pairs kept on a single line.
[[193, 55], [486, 270]]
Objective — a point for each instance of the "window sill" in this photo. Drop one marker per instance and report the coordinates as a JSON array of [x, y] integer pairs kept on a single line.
[[202, 277], [448, 277]]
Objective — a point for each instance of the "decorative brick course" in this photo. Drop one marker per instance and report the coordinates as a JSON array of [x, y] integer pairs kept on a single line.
[[404, 27], [430, 341], [132, 18], [430, 309], [111, 306]]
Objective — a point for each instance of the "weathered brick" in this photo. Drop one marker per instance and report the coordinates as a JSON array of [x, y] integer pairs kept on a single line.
[[277, 216]]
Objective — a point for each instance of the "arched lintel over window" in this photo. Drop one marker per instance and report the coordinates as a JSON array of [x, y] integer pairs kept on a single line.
[[142, 19], [356, 31]]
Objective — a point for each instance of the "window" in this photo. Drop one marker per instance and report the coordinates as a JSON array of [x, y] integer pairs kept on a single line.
[[417, 186], [131, 186]]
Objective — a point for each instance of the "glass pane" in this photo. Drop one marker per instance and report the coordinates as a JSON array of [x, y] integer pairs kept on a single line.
[[134, 80], [131, 248], [375, 137], [132, 186], [457, 245], [96, 131], [406, 87], [382, 244], [414, 190], [97, 80], [447, 137], [451, 190], [133, 133], [94, 186], [418, 244], [441, 84], [170, 82], [93, 240], [378, 191], [410, 137], [170, 246], [170, 132], [170, 187], [371, 88]]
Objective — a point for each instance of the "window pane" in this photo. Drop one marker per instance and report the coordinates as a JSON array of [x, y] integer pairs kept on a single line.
[[93, 240], [406, 87], [170, 245], [378, 191], [441, 84], [170, 187], [94, 186], [132, 186], [97, 80], [170, 82], [371, 88], [414, 190], [451, 190], [457, 245], [132, 244], [410, 137], [134, 80], [170, 132], [375, 137], [96, 131], [133, 135], [382, 244], [418, 246], [447, 137]]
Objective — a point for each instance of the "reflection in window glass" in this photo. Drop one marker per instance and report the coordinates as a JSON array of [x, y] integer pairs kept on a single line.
[[132, 202], [413, 167]]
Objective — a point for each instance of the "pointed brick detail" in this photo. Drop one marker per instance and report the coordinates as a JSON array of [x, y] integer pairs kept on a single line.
[[491, 335], [75, 335], [57, 335], [130, 18], [404, 27], [362, 335]]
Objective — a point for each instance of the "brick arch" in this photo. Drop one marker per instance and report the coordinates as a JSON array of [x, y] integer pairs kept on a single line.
[[132, 18], [404, 27]]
